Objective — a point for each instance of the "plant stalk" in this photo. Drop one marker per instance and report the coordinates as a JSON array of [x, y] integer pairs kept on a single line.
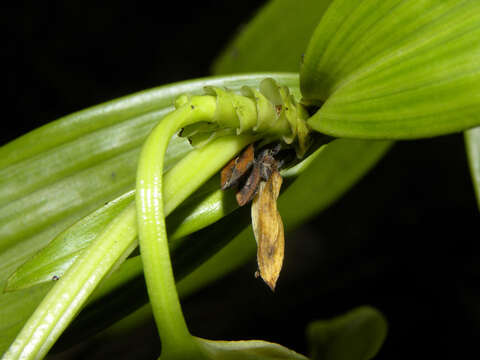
[[177, 343]]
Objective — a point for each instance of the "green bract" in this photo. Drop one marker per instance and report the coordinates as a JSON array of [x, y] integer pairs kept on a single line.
[[271, 112]]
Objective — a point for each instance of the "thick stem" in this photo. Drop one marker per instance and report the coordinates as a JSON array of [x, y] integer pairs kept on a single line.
[[176, 339]]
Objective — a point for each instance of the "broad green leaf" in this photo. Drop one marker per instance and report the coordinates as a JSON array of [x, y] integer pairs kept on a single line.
[[394, 69], [275, 39], [472, 143], [56, 156], [356, 335]]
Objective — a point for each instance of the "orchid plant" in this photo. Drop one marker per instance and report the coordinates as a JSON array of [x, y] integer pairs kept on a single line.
[[79, 195]]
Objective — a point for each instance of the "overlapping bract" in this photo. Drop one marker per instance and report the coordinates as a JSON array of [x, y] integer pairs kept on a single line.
[[270, 111]]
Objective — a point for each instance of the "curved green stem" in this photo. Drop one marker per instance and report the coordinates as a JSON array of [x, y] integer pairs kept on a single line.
[[101, 257], [176, 339]]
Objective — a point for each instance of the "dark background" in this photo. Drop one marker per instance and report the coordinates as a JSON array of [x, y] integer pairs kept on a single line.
[[402, 240]]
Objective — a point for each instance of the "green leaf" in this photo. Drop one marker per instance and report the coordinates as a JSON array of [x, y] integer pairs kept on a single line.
[[472, 143], [394, 69], [15, 308], [51, 262], [356, 335], [246, 350], [275, 39]]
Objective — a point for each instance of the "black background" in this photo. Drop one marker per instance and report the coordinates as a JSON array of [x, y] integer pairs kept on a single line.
[[404, 239]]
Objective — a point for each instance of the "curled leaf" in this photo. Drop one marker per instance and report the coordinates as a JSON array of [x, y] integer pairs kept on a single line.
[[268, 230]]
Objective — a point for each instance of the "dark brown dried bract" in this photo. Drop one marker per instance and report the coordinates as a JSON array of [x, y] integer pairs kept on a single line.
[[248, 191], [237, 168]]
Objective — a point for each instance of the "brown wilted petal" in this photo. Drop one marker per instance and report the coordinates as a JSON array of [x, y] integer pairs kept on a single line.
[[268, 230]]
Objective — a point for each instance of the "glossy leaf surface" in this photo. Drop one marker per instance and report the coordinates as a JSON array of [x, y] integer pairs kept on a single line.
[[356, 335], [51, 262], [395, 69]]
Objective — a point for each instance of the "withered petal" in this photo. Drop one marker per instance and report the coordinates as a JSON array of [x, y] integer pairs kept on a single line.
[[268, 230]]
